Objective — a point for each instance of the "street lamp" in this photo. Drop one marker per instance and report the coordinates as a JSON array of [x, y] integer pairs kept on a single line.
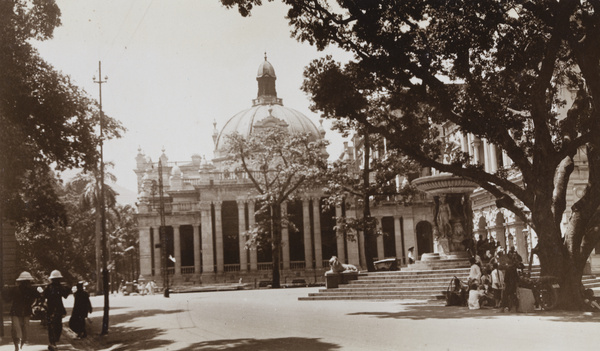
[[162, 233]]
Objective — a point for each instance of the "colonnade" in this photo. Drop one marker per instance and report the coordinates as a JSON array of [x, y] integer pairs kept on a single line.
[[208, 250]]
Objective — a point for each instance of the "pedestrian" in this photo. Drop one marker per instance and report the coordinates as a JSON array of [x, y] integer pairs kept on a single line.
[[511, 281], [497, 284], [81, 307], [474, 272], [411, 255], [151, 287], [22, 296], [54, 293]]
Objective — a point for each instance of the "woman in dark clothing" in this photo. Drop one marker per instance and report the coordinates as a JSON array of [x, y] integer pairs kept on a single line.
[[54, 293], [81, 308], [22, 296]]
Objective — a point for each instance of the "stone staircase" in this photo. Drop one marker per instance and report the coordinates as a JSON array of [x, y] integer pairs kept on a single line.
[[408, 284]]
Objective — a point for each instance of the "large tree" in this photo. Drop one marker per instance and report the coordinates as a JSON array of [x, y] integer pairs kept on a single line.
[[510, 60], [89, 190], [281, 166], [47, 122]]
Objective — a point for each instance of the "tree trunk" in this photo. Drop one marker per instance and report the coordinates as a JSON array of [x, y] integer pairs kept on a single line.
[[370, 251], [276, 246], [555, 261]]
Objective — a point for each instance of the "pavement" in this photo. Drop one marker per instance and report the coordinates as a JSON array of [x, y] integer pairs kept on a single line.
[[274, 319]]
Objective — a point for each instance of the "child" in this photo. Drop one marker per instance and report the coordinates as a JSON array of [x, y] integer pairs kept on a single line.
[[476, 295]]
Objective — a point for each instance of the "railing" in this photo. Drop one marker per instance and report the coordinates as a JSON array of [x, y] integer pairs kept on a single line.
[[226, 177], [325, 263], [265, 266], [188, 270], [235, 267], [171, 270], [297, 265], [170, 207]]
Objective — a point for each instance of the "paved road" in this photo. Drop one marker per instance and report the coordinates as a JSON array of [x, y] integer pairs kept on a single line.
[[276, 320]]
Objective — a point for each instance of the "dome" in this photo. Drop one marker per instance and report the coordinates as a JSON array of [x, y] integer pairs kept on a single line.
[[244, 121], [266, 69], [268, 107], [176, 171]]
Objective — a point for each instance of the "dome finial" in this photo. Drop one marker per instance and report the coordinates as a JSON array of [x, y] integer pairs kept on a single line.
[[265, 55]]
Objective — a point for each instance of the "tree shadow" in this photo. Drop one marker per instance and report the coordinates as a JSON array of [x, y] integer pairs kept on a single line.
[[423, 312], [123, 337], [288, 344]]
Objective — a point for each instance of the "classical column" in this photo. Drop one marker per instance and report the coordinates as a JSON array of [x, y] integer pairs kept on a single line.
[[251, 223], [464, 144], [398, 238], [521, 241], [360, 237], [317, 231], [308, 257], [476, 154], [242, 238], [197, 250], [353, 255], [380, 249], [506, 161], [486, 155], [493, 158], [285, 239], [208, 263], [340, 237], [410, 236], [219, 236], [157, 253], [145, 252], [177, 249]]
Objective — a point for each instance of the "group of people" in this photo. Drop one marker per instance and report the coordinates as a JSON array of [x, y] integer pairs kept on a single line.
[[138, 287], [493, 280], [24, 294]]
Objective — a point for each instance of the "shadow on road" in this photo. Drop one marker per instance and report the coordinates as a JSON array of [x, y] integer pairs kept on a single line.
[[130, 338], [421, 312], [288, 344]]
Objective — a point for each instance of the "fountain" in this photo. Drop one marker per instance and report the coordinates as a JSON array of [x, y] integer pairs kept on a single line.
[[453, 216]]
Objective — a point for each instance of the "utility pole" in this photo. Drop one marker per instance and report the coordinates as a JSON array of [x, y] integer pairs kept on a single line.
[[105, 275], [163, 234]]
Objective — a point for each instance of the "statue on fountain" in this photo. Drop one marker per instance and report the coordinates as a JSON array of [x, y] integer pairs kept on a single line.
[[452, 223]]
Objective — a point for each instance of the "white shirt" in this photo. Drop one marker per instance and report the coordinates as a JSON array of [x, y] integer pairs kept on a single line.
[[475, 272], [474, 296]]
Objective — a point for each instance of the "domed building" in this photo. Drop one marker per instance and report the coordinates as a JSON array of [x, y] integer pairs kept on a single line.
[[208, 206]]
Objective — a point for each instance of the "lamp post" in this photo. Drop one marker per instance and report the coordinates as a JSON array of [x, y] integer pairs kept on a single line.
[[163, 234], [105, 276]]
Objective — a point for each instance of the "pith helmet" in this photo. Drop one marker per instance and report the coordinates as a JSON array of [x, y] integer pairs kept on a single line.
[[55, 274], [24, 276]]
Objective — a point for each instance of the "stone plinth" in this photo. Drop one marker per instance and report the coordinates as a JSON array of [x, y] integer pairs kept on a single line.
[[334, 280]]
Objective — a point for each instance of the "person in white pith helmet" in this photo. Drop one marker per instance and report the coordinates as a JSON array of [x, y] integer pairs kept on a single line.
[[54, 293], [22, 296]]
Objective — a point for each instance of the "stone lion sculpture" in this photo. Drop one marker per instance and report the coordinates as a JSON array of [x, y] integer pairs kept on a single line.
[[339, 267]]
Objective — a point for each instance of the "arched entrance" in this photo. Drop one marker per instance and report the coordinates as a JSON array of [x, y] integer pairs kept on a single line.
[[424, 238]]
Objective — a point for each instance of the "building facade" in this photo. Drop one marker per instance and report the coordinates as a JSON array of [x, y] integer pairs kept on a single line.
[[208, 207]]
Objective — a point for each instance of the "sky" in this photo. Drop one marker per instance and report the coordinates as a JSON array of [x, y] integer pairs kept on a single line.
[[175, 67]]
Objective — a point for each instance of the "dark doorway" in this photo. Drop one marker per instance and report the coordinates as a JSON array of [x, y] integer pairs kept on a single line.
[[389, 239], [424, 238]]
